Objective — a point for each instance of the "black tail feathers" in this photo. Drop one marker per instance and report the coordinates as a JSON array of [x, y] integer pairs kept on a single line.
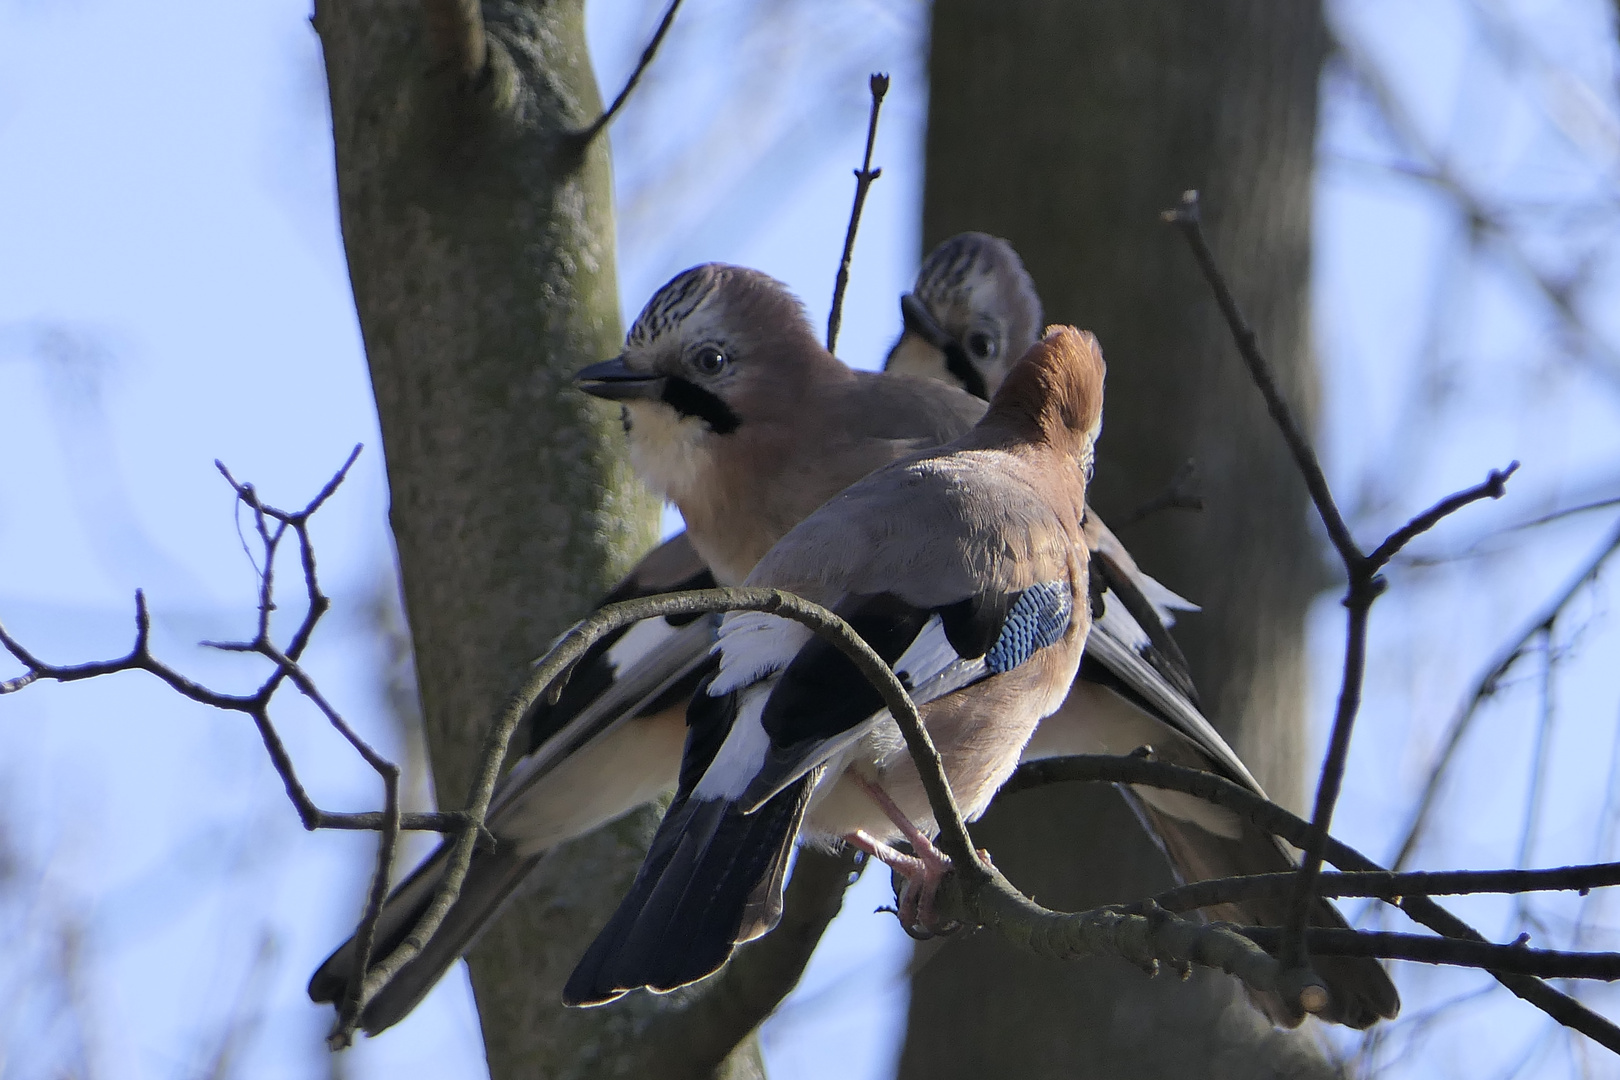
[[712, 879], [493, 877]]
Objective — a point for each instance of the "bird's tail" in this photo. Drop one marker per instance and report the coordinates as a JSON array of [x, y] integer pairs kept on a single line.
[[1360, 988], [492, 878], [712, 880]]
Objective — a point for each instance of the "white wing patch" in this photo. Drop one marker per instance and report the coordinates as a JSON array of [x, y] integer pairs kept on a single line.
[[742, 755], [638, 642], [930, 668], [753, 645], [1121, 625], [1165, 603]]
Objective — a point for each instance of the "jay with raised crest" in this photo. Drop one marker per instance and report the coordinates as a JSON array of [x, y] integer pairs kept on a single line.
[[966, 570], [972, 306]]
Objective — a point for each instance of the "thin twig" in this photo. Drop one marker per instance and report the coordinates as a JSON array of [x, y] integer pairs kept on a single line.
[[366, 936], [1486, 686], [1181, 493], [595, 127], [1391, 885], [1513, 959], [1568, 511], [1494, 486], [1187, 219], [879, 84], [1274, 819], [1364, 585]]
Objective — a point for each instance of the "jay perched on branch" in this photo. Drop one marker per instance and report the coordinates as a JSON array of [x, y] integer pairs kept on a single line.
[[964, 567], [735, 413]]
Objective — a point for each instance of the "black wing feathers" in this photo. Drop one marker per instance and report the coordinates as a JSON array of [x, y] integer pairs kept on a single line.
[[972, 625], [1165, 655], [708, 722], [821, 694], [594, 673]]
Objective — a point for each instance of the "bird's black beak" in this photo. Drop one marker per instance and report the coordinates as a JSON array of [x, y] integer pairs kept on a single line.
[[614, 381], [919, 321]]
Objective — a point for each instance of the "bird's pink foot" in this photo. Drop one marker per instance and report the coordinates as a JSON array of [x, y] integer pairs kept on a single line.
[[923, 871]]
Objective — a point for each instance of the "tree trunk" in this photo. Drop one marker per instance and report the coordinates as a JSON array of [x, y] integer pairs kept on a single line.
[[1066, 126], [481, 250]]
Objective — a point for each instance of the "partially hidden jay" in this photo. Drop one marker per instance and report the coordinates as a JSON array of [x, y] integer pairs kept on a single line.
[[966, 570]]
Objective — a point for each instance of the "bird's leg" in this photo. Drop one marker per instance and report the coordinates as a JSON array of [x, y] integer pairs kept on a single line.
[[923, 871], [909, 867]]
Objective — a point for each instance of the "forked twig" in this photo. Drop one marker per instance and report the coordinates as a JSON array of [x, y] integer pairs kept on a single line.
[[1362, 570]]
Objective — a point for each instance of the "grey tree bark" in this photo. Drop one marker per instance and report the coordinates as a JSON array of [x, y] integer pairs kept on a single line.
[[1066, 126], [481, 250]]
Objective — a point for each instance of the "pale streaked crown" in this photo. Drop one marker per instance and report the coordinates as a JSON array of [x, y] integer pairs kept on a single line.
[[982, 299], [673, 304]]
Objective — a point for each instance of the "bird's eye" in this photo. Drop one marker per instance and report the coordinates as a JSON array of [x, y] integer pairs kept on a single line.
[[981, 345], [708, 360]]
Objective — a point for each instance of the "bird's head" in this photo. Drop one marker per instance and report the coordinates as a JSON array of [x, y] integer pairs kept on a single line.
[[971, 315], [1053, 396], [716, 348]]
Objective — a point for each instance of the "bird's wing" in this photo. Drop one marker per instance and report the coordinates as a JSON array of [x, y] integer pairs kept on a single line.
[[950, 568], [791, 704], [641, 669], [672, 566], [1111, 661]]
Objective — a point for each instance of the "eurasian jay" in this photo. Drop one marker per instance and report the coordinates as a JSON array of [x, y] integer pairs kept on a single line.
[[612, 740], [973, 305], [966, 569], [720, 379]]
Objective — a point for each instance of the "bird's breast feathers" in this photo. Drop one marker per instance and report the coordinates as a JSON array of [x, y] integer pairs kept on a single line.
[[669, 451]]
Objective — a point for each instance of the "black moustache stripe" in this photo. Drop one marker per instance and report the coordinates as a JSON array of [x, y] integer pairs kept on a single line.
[[689, 399], [957, 363]]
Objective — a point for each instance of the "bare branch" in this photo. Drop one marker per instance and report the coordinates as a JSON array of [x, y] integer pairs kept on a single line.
[[1393, 886], [366, 936], [286, 667], [595, 127], [1187, 218], [1515, 959], [1493, 486], [1274, 819], [1181, 493], [1568, 511], [879, 84], [1364, 583]]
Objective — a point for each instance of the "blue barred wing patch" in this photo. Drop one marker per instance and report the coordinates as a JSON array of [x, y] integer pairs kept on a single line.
[[1038, 618]]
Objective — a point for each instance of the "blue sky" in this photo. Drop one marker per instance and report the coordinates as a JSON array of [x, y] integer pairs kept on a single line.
[[172, 290]]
